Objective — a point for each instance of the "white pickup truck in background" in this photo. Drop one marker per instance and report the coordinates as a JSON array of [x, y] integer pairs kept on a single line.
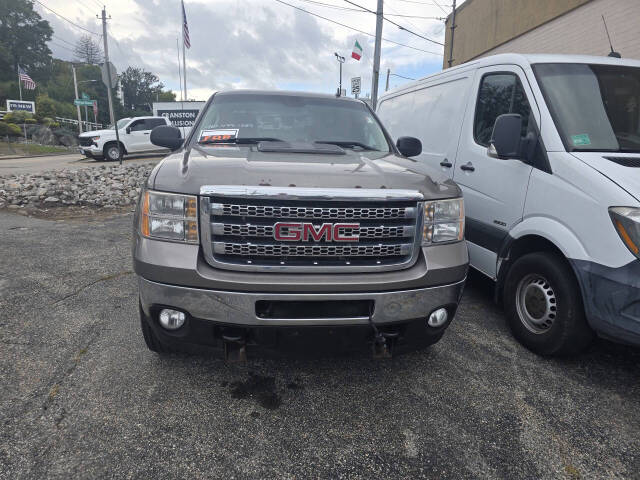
[[134, 138]]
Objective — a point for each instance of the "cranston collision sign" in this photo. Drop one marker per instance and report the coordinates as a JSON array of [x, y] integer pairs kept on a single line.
[[180, 114], [24, 106]]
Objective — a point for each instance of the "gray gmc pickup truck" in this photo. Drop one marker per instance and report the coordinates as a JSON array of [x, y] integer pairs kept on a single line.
[[284, 212]]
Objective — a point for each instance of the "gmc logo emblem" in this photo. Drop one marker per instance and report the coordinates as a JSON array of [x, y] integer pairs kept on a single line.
[[330, 232]]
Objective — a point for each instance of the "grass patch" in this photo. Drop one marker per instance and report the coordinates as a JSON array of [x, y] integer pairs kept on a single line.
[[30, 149]]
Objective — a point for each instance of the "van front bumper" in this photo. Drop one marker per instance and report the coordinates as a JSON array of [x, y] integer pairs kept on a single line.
[[612, 299]]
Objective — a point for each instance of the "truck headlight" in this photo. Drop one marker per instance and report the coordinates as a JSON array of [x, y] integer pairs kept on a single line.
[[443, 221], [627, 223], [169, 216], [95, 139]]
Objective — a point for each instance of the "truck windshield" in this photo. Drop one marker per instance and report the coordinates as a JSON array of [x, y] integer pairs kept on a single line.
[[595, 107], [248, 118]]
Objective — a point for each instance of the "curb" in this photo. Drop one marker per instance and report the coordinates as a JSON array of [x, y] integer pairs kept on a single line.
[[17, 157]]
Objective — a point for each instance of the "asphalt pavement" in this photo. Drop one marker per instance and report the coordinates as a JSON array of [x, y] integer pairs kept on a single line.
[[11, 166], [82, 397]]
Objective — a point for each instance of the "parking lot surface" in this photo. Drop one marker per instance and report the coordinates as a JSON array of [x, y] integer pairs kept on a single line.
[[15, 166], [82, 397]]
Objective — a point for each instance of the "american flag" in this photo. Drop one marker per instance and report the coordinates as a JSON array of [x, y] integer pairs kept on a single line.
[[185, 28], [27, 81]]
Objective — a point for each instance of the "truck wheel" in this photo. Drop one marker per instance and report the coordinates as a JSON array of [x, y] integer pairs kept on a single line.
[[150, 338], [112, 152], [544, 306]]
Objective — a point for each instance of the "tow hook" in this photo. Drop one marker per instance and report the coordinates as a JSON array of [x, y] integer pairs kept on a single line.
[[383, 342], [235, 347]]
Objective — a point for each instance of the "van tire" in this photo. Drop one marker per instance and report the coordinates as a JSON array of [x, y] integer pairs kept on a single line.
[[150, 338], [544, 306]]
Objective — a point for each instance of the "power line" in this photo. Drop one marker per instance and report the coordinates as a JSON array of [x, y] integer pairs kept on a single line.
[[440, 7], [65, 18], [356, 29], [396, 75], [397, 24], [60, 39], [348, 9]]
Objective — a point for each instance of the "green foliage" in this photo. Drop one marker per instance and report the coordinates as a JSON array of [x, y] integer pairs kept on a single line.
[[18, 117], [167, 96], [23, 39], [45, 107], [10, 129], [30, 121], [140, 88]]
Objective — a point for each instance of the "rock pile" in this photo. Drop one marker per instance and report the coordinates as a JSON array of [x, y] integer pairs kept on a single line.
[[105, 186]]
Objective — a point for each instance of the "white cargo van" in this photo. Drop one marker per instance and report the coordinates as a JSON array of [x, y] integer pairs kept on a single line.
[[546, 149]]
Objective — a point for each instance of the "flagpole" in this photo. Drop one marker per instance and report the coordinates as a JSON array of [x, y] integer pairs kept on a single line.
[[184, 55], [19, 83]]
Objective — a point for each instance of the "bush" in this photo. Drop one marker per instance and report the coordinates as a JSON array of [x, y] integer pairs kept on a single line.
[[30, 121], [10, 129], [17, 117], [45, 106]]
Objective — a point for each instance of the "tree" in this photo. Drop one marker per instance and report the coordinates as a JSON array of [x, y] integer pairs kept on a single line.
[[88, 51], [45, 107], [139, 88], [23, 39]]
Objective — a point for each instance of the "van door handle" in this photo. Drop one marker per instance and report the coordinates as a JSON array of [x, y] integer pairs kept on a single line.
[[467, 167], [446, 163]]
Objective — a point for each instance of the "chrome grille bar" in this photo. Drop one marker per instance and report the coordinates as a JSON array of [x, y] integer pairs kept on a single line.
[[289, 250], [328, 213], [266, 231]]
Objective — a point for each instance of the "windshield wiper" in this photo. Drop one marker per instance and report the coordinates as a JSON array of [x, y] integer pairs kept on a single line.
[[242, 141], [348, 144]]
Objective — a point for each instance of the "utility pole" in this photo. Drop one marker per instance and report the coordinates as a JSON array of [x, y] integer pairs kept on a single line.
[[109, 87], [453, 29], [376, 56], [386, 88], [75, 87]]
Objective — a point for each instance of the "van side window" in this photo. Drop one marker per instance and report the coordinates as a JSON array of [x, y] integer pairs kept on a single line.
[[499, 93]]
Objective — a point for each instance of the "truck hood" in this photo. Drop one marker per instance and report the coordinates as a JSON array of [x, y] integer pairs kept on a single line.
[[96, 133], [628, 178], [187, 171]]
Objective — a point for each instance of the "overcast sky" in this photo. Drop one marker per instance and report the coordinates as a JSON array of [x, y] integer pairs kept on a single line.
[[254, 43]]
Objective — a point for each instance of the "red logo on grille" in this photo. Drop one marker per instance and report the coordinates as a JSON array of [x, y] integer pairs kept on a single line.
[[303, 232]]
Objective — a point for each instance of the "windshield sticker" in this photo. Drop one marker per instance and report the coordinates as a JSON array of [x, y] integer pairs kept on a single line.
[[581, 140], [218, 136]]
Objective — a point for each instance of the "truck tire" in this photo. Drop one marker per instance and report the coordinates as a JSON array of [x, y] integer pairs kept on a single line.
[[111, 151], [543, 305], [150, 338]]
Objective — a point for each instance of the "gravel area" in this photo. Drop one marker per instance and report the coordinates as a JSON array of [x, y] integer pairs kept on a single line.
[[105, 186]]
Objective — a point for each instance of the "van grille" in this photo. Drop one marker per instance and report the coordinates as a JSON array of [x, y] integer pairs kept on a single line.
[[238, 233]]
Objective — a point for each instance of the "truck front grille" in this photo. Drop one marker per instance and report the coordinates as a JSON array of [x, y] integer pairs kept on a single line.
[[85, 141], [239, 232]]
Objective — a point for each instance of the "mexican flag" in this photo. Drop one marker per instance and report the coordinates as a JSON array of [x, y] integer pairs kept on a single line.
[[357, 51]]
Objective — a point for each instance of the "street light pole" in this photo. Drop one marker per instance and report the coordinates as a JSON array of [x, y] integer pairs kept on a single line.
[[75, 86], [340, 59]]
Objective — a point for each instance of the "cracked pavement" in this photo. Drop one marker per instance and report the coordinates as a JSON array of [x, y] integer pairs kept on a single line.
[[82, 397]]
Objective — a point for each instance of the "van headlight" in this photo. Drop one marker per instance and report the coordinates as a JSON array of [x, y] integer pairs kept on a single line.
[[169, 216], [443, 221], [626, 220]]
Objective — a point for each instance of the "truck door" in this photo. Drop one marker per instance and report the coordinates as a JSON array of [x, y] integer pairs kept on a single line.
[[137, 136], [150, 124], [494, 189]]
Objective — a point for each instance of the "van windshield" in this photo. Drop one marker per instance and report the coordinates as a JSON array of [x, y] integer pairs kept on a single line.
[[245, 118], [595, 107]]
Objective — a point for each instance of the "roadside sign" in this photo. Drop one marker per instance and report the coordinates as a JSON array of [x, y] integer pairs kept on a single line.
[[114, 74], [355, 85], [21, 105], [83, 103], [84, 96]]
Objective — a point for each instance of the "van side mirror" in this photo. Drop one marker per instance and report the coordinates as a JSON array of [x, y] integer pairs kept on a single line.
[[505, 139], [166, 136], [409, 146]]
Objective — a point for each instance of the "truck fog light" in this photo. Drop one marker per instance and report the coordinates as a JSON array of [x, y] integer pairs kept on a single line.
[[171, 319], [438, 318]]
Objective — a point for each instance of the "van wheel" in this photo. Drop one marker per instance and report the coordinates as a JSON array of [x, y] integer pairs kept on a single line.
[[544, 306], [150, 338], [111, 152]]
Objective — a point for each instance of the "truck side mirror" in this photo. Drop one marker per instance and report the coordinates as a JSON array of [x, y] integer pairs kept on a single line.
[[409, 146], [166, 136], [505, 139], [128, 130]]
